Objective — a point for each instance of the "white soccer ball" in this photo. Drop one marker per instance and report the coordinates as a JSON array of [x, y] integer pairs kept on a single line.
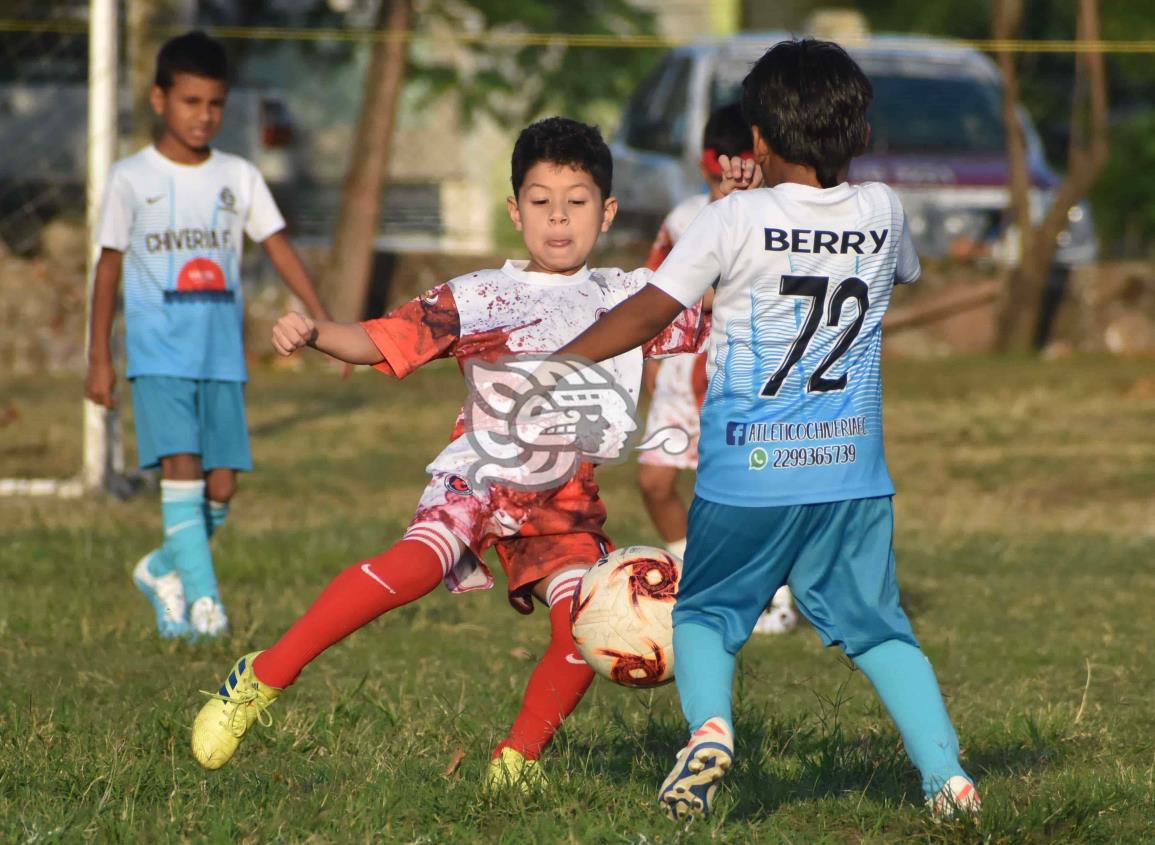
[[622, 616]]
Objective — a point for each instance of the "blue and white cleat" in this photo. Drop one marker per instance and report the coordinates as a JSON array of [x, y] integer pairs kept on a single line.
[[690, 786], [958, 797], [166, 595]]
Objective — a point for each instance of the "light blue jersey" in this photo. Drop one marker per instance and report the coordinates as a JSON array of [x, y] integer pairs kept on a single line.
[[182, 228], [793, 414]]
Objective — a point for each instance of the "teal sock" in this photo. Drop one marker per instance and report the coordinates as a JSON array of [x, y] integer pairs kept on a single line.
[[215, 515], [906, 684], [704, 673], [186, 539], [160, 563]]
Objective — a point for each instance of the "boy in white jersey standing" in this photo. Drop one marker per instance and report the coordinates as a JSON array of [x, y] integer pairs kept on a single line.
[[792, 482], [174, 221], [677, 384]]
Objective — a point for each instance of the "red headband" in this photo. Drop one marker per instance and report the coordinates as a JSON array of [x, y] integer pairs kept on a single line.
[[710, 160]]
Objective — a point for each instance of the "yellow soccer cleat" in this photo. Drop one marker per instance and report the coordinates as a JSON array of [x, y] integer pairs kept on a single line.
[[221, 723], [511, 770]]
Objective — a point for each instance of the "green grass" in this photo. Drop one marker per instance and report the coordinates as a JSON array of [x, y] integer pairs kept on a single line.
[[1026, 532]]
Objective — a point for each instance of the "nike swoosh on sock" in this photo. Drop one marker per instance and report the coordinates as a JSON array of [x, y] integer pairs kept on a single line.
[[365, 568]]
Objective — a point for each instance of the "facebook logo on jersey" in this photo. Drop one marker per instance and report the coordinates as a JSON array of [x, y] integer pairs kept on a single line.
[[735, 433]]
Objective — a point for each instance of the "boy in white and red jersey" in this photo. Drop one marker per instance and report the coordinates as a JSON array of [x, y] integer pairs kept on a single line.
[[545, 538], [677, 384], [175, 218]]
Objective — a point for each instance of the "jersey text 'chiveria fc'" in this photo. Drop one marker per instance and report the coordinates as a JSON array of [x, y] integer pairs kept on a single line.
[[793, 413], [182, 230]]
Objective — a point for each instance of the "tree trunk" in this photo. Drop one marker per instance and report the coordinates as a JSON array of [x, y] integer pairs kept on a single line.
[[346, 279], [1020, 310]]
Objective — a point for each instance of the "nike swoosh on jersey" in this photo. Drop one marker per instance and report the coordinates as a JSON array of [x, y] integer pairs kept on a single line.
[[151, 200], [365, 568], [575, 660]]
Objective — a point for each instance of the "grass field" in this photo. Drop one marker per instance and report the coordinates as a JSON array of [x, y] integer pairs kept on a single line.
[[1026, 538]]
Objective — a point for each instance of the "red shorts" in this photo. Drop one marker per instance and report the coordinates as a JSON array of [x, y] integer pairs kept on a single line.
[[535, 533]]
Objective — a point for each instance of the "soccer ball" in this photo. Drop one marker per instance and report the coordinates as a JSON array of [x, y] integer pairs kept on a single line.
[[622, 616]]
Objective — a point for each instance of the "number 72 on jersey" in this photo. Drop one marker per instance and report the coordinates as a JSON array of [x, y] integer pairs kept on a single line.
[[814, 288]]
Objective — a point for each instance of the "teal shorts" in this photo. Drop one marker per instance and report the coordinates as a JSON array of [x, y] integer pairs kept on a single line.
[[837, 557], [203, 417]]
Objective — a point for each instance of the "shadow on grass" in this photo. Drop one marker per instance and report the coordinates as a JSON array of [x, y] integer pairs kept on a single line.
[[784, 761], [332, 406]]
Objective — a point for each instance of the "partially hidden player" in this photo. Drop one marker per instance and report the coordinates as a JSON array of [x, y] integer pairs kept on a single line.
[[173, 224], [677, 384], [546, 539], [792, 472]]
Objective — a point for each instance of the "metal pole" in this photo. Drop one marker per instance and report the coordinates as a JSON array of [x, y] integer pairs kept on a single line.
[[103, 452]]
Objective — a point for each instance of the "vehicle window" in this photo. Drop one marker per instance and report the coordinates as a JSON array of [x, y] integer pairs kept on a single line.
[[656, 119], [917, 115], [914, 114]]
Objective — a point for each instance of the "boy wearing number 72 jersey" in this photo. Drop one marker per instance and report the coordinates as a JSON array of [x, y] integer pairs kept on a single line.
[[791, 469]]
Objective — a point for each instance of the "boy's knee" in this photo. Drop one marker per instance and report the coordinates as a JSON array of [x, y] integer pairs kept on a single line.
[[220, 486], [181, 467], [657, 483]]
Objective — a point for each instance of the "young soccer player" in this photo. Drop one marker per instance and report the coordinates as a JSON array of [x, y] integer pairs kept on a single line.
[[174, 220], [792, 472], [677, 384], [562, 177]]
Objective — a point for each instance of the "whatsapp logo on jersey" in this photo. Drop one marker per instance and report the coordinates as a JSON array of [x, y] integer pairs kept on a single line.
[[759, 459]]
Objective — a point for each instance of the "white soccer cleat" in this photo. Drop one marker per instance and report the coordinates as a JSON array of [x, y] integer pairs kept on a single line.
[[690, 786], [958, 797], [166, 595], [207, 618], [780, 617]]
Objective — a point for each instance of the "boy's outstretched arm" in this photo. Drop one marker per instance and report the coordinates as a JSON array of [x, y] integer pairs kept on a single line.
[[293, 270], [101, 377], [631, 323], [345, 341]]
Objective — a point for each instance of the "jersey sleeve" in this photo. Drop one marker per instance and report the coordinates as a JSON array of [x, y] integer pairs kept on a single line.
[[696, 260], [422, 330], [908, 268], [688, 333], [661, 247], [264, 218], [117, 213]]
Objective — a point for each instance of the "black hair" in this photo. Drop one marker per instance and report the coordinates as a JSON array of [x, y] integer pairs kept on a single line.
[[565, 142], [809, 99], [727, 132], [194, 53]]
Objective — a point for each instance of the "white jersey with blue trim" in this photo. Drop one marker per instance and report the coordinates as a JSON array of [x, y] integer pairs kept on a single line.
[[182, 229], [793, 412]]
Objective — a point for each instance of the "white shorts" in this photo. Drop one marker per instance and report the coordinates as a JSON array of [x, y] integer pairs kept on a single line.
[[674, 405]]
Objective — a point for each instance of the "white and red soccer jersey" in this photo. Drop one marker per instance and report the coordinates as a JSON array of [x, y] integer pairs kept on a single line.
[[489, 315], [678, 396]]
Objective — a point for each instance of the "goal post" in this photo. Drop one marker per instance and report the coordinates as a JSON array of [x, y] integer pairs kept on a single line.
[[103, 450]]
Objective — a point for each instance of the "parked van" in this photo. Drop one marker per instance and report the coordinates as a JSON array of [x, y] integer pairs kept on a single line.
[[938, 139]]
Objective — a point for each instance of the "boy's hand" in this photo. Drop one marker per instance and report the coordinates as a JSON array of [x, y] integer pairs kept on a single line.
[[738, 174], [99, 383], [292, 332]]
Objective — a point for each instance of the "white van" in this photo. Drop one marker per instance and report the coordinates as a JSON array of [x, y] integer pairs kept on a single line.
[[937, 138]]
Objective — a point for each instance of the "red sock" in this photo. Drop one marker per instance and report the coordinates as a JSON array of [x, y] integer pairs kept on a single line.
[[356, 597], [554, 690]]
